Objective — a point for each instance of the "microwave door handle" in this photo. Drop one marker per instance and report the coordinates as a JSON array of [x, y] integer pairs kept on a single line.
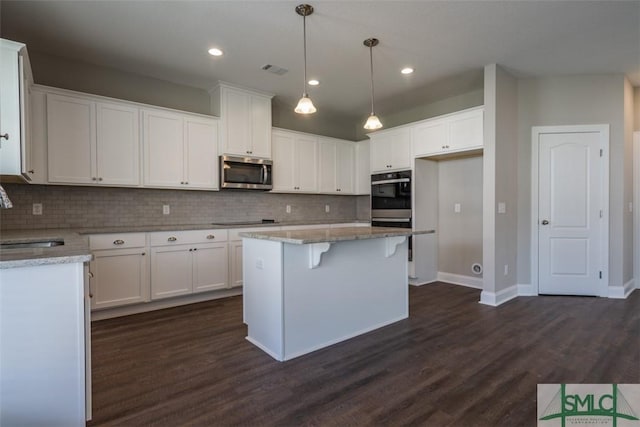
[[265, 174]]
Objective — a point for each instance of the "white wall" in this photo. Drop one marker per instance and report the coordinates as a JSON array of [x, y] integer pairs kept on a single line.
[[573, 100], [627, 273], [500, 180], [459, 234]]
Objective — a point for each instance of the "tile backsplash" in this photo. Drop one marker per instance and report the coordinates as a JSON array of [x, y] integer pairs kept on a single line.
[[79, 207]]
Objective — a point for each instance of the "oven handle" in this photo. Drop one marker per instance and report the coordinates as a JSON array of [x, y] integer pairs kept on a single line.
[[390, 181], [391, 219]]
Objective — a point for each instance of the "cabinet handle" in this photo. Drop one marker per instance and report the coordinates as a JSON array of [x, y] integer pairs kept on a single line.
[[211, 236], [195, 249], [32, 171], [118, 242], [182, 182], [190, 250], [90, 275], [93, 178], [172, 239], [99, 179], [143, 253], [5, 136]]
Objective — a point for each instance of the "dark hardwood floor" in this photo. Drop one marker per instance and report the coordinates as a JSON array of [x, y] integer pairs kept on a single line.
[[453, 362]]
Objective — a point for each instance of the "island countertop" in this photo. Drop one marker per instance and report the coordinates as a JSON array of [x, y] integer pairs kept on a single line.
[[331, 235]]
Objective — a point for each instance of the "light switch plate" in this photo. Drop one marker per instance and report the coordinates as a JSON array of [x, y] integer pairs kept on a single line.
[[327, 208], [288, 208], [457, 208], [166, 209], [502, 207], [37, 209]]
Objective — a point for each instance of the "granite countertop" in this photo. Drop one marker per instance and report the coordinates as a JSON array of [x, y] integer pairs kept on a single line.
[[75, 248], [76, 242], [330, 235]]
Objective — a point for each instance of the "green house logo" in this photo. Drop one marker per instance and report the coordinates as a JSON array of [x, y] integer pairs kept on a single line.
[[582, 408]]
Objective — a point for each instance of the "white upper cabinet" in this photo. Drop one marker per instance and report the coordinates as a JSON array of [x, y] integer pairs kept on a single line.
[[118, 144], [336, 166], [15, 83], [180, 151], [390, 150], [295, 162], [92, 142], [245, 121], [363, 168], [450, 134]]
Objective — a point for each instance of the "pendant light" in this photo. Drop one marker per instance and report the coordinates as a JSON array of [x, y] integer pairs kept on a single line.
[[305, 106], [373, 122]]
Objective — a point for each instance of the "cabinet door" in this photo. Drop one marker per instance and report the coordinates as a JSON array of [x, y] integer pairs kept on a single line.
[[210, 267], [400, 149], [306, 163], [237, 121], [71, 136], [345, 165], [171, 271], [163, 149], [119, 277], [260, 127], [284, 163], [363, 168], [430, 138], [327, 166], [118, 144], [380, 153], [466, 131], [235, 264], [201, 156]]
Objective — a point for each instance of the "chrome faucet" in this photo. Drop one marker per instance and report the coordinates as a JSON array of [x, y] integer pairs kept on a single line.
[[5, 201]]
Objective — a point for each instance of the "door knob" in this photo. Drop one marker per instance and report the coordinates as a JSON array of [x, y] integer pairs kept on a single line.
[[545, 222]]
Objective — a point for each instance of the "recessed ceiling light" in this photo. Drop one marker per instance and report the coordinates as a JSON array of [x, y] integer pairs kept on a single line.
[[313, 82], [214, 51], [407, 70]]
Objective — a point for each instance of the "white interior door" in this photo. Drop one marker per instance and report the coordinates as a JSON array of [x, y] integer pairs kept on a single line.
[[571, 207]]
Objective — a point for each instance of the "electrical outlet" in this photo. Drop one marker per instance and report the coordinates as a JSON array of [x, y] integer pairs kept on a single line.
[[259, 264], [457, 208], [37, 209], [502, 207], [327, 208], [288, 208], [166, 209]]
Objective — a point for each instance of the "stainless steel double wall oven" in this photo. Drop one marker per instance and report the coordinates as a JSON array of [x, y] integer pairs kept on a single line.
[[391, 201]]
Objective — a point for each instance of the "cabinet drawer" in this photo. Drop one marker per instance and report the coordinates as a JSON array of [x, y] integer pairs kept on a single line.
[[117, 241], [164, 238]]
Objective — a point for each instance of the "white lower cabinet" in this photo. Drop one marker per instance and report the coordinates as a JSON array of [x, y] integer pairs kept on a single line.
[[182, 263], [235, 264], [118, 276]]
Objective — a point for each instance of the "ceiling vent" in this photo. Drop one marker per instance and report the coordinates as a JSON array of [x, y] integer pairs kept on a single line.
[[274, 69]]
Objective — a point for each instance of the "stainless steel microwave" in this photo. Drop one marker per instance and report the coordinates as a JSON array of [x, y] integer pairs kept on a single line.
[[245, 173]]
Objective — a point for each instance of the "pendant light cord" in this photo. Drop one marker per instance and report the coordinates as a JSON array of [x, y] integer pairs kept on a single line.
[[371, 63], [304, 38]]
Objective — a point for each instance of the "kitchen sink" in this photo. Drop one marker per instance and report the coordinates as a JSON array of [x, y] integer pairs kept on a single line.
[[30, 245]]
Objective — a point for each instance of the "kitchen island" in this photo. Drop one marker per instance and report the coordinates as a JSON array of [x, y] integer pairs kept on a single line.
[[308, 289]]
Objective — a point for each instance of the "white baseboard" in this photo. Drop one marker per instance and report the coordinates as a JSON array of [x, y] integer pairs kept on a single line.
[[458, 279], [621, 292], [126, 310], [526, 290], [417, 281], [494, 299]]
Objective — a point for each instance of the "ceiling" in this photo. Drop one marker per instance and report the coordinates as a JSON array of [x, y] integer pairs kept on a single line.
[[447, 42]]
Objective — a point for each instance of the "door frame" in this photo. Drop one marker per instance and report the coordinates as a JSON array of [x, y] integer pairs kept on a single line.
[[636, 208], [603, 130]]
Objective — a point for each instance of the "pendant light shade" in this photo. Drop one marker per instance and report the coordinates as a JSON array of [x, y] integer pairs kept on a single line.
[[305, 106], [373, 122]]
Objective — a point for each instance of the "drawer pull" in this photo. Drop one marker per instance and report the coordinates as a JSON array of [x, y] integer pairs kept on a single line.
[[172, 239], [211, 236], [144, 253], [118, 242]]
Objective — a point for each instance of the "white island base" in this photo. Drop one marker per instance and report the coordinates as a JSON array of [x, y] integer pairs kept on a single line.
[[302, 297]]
